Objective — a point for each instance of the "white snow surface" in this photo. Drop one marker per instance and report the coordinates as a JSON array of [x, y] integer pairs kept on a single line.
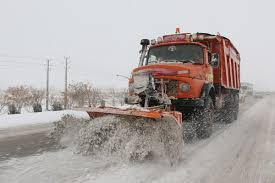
[[7, 121], [239, 152], [134, 107]]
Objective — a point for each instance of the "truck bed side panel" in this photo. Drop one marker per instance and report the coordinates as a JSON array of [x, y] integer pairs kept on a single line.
[[230, 66]]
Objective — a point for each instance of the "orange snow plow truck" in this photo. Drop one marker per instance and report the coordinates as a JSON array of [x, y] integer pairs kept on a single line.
[[183, 75]]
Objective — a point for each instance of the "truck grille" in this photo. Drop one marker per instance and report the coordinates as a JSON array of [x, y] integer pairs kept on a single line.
[[170, 86]]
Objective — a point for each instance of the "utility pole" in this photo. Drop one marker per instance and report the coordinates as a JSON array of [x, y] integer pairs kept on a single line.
[[47, 85], [66, 83]]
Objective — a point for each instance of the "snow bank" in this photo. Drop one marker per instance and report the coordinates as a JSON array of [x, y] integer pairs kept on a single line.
[[7, 121]]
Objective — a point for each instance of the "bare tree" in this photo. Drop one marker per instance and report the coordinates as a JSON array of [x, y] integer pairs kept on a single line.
[[94, 97], [56, 101], [117, 96], [121, 96], [111, 93], [82, 93], [37, 96], [17, 97], [3, 102], [76, 94]]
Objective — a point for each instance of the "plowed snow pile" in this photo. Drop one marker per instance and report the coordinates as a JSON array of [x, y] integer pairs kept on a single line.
[[117, 138]]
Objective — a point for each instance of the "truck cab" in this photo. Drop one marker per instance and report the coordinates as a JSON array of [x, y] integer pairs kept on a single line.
[[181, 65]]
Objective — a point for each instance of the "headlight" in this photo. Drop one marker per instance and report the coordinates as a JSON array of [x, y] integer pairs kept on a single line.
[[141, 83], [184, 87]]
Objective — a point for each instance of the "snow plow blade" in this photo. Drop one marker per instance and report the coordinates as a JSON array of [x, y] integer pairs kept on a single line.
[[152, 114]]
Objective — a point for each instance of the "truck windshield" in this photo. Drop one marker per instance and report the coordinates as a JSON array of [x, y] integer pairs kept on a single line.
[[184, 53]]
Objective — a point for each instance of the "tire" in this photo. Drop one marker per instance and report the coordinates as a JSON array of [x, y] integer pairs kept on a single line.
[[205, 119], [231, 109], [188, 131], [236, 107], [228, 112]]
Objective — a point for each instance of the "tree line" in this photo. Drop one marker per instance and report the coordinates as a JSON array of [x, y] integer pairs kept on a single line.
[[79, 94]]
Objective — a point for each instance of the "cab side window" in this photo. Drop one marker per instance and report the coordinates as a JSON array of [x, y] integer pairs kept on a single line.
[[152, 59], [208, 59], [215, 59]]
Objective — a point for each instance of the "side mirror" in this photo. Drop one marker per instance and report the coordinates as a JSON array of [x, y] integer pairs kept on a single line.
[[214, 60]]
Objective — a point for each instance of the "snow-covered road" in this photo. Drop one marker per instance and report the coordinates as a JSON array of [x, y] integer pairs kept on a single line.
[[243, 151]]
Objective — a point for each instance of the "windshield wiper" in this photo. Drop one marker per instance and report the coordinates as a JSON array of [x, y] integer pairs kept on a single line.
[[170, 60], [188, 61]]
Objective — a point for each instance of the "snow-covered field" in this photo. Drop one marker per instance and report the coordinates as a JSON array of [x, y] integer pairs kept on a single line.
[[7, 121], [239, 152]]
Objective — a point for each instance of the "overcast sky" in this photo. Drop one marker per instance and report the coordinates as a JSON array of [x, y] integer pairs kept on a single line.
[[102, 37]]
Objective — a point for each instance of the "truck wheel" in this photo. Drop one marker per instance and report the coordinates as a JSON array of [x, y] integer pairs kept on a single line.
[[236, 107], [188, 131], [231, 110], [205, 119]]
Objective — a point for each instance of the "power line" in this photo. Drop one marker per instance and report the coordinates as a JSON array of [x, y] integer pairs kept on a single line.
[[12, 65], [26, 59], [21, 57], [25, 67], [20, 63]]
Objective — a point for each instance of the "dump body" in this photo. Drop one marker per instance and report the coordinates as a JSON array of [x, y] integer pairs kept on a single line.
[[227, 72]]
